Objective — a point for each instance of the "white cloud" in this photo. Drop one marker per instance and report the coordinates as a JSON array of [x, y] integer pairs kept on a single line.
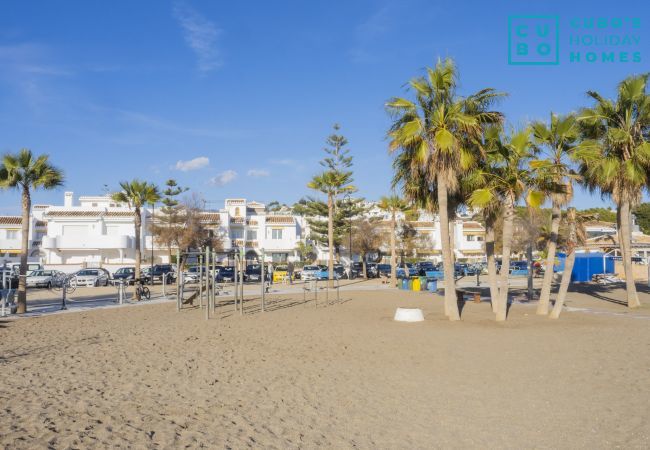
[[224, 178], [192, 164], [200, 35], [258, 173]]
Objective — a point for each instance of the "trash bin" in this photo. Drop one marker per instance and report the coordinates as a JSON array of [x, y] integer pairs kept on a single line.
[[409, 285], [432, 285], [423, 283], [416, 283], [405, 283]]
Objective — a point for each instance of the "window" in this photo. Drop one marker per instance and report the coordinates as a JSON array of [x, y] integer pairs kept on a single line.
[[236, 234], [13, 234], [237, 212], [279, 257], [276, 234], [94, 205], [471, 238], [251, 235], [479, 238]]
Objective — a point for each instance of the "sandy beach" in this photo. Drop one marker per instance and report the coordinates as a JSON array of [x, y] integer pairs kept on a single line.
[[337, 376]]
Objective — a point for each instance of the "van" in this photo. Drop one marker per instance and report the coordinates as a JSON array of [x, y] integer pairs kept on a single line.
[[15, 267]]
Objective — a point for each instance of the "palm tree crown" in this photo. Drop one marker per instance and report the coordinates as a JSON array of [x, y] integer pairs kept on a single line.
[[137, 193], [23, 170]]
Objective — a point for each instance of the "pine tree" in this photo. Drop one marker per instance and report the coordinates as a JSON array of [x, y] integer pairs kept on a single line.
[[170, 220]]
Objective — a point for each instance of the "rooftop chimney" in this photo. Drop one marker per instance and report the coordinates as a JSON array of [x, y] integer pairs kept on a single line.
[[68, 199]]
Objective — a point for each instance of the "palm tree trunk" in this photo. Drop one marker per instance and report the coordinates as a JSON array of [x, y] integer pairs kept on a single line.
[[545, 296], [330, 239], [568, 266], [138, 254], [451, 304], [24, 249], [625, 242], [491, 263], [393, 253], [363, 262], [508, 219]]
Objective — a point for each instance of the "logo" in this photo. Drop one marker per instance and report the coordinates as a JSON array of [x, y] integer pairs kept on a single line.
[[533, 40]]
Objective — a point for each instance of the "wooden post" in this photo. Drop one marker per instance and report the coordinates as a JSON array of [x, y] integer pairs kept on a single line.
[[263, 280]]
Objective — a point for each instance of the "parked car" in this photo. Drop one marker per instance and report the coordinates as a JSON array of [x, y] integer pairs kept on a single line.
[[161, 270], [401, 270], [92, 277], [225, 274], [193, 274], [41, 278], [125, 274], [279, 273], [460, 269], [253, 273], [425, 266], [340, 271], [383, 270], [371, 270], [309, 273], [518, 265], [15, 267]]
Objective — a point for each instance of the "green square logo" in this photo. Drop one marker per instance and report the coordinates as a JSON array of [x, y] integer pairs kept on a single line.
[[533, 40]]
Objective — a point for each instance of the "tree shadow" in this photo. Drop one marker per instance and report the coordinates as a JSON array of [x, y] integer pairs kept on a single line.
[[604, 292]]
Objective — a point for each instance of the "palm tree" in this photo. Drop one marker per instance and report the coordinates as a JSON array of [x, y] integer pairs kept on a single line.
[[510, 179], [490, 212], [577, 235], [559, 137], [137, 194], [23, 171], [442, 132], [614, 157], [393, 205], [332, 183]]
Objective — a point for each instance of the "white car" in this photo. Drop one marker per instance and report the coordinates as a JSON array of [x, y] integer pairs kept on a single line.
[[41, 278], [309, 273], [92, 277], [193, 274]]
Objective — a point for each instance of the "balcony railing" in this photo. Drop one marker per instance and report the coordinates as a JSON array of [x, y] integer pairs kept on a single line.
[[88, 242]]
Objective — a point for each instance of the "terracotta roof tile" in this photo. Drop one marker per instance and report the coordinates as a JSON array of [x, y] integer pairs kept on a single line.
[[11, 220], [280, 219], [88, 213]]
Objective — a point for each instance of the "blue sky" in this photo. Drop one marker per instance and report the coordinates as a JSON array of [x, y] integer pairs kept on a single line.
[[237, 98]]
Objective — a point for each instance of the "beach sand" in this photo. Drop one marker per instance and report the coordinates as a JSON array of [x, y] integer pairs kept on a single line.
[[338, 376]]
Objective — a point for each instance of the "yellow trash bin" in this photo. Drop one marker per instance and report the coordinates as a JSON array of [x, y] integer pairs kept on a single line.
[[416, 284]]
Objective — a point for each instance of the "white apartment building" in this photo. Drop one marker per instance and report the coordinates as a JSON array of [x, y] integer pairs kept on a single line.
[[11, 238], [95, 231], [468, 236]]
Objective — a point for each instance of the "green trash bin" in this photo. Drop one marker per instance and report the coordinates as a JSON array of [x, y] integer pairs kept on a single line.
[[409, 286]]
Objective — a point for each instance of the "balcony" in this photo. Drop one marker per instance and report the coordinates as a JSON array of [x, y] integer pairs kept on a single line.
[[88, 242], [10, 244]]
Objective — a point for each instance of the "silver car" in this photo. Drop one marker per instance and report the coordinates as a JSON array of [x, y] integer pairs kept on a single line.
[[41, 278], [310, 273], [92, 277]]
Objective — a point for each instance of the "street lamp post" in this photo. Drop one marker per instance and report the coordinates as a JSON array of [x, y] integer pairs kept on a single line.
[[153, 211], [349, 200]]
